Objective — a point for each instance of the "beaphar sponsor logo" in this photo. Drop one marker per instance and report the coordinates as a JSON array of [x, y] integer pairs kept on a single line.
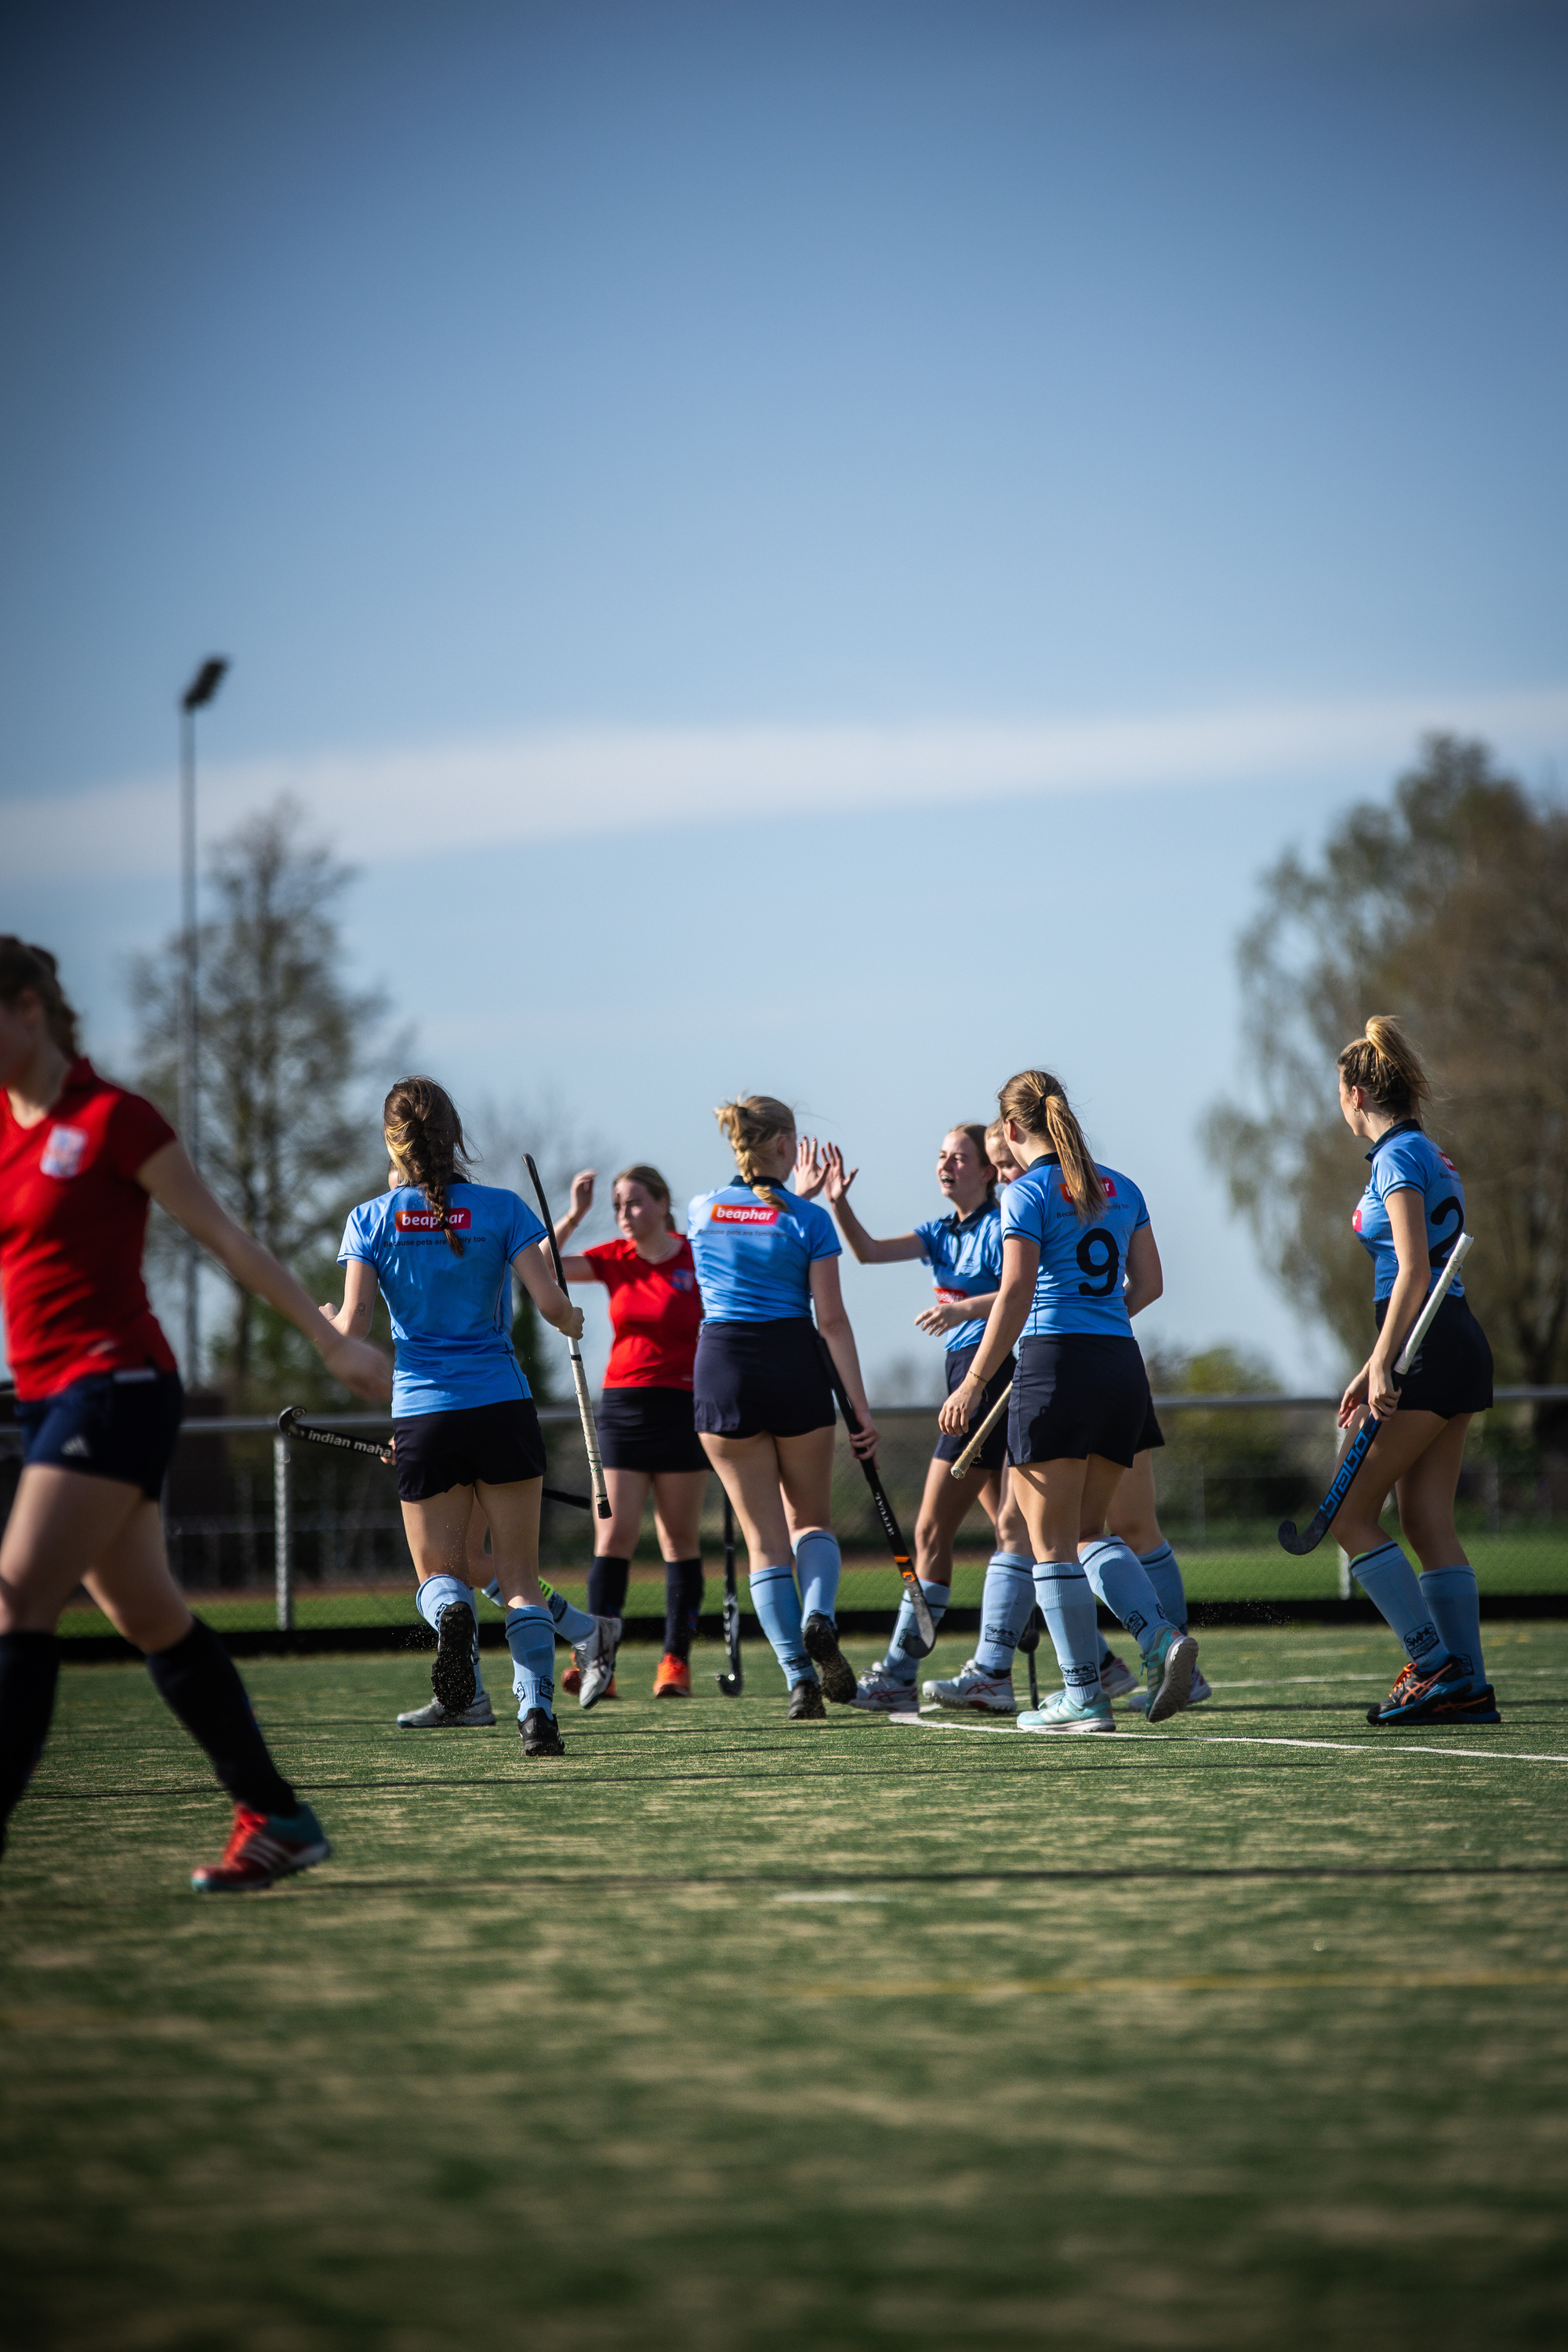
[[428, 1220], [726, 1212]]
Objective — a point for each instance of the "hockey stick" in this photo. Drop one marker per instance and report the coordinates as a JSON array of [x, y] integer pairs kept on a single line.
[[311, 1433], [885, 1513], [958, 1468], [734, 1682], [1323, 1518], [1029, 1641], [579, 1377]]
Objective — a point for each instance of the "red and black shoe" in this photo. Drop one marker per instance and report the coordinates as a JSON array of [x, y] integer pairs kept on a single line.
[[263, 1847], [1439, 1696]]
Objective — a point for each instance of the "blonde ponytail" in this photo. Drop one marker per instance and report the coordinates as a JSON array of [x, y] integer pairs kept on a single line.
[[751, 1123], [1038, 1103], [1387, 1065]]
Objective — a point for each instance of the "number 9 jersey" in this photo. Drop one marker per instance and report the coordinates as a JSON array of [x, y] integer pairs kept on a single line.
[[1406, 1158], [1080, 1281]]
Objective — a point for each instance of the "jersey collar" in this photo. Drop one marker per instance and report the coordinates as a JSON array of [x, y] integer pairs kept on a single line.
[[1402, 1127], [1046, 1160]]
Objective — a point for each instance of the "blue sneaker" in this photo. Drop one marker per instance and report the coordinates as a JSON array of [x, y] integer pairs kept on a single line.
[[1202, 1690], [1447, 1695], [1064, 1712]]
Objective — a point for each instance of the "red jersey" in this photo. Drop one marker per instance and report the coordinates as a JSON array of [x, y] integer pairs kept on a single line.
[[655, 1312], [73, 1220]]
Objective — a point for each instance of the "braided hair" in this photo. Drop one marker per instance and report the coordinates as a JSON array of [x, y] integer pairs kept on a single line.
[[425, 1136], [751, 1122]]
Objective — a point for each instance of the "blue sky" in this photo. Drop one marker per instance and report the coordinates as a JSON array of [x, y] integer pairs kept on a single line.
[[811, 548]]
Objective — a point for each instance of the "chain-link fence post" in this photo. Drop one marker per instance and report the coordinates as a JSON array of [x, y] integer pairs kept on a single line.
[[283, 1535]]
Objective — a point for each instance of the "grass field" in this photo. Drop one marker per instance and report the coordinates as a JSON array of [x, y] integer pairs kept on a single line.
[[724, 2033]]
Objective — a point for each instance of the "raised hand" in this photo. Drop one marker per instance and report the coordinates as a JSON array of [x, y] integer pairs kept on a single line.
[[810, 1168], [582, 1194], [835, 1176]]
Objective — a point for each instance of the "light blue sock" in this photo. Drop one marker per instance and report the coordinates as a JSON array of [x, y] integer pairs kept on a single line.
[[1389, 1582], [1005, 1607], [1067, 1604], [531, 1638], [571, 1623], [777, 1605], [817, 1564], [1117, 1576], [438, 1593], [906, 1650], [1450, 1594], [1164, 1571]]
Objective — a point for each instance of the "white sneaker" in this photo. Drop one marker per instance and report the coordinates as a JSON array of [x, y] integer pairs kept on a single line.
[[1063, 1712], [595, 1659], [973, 1687], [1168, 1674], [880, 1695], [479, 1717], [1117, 1679], [1202, 1689]]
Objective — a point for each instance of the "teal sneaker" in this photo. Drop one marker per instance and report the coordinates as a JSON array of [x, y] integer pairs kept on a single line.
[[1168, 1671], [1063, 1712], [1202, 1690]]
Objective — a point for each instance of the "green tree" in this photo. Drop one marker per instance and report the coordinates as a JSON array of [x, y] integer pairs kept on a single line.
[[289, 1141], [1448, 907]]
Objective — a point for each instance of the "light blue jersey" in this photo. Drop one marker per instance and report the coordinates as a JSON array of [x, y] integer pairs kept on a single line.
[[753, 1261], [1406, 1158], [452, 1317], [1081, 1284], [964, 1255]]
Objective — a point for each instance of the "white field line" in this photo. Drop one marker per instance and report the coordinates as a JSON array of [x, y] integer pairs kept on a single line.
[[1392, 1743]]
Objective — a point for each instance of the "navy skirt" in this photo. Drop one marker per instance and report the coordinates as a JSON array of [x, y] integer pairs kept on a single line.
[[993, 1455], [1453, 1373], [477, 1445], [761, 1378], [1079, 1393], [650, 1430]]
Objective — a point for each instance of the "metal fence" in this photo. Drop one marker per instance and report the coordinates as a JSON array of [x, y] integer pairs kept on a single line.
[[267, 1534]]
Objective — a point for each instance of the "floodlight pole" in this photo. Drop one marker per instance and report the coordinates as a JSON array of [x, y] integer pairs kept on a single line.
[[199, 692]]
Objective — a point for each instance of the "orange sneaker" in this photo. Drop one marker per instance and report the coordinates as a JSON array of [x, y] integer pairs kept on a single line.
[[571, 1680], [673, 1679]]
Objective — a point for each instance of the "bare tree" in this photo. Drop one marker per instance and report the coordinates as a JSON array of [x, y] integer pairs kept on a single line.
[[1450, 908], [289, 1136]]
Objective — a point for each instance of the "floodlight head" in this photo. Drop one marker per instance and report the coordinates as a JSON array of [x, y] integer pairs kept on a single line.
[[205, 683]]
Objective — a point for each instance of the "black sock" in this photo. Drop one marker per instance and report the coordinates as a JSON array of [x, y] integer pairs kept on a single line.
[[29, 1668], [682, 1604], [198, 1680], [607, 1586]]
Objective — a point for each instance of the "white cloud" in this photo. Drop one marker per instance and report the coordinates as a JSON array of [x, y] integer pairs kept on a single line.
[[396, 805]]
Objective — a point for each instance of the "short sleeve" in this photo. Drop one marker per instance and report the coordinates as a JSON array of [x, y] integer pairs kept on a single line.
[[1396, 1169], [604, 1259], [135, 1132], [925, 1235], [1012, 1216], [523, 1227], [356, 1241], [822, 1234], [1141, 1219]]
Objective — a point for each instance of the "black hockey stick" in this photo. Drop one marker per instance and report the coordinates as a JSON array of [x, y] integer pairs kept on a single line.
[[1323, 1518], [309, 1433], [1029, 1641], [579, 1377], [734, 1682], [885, 1512]]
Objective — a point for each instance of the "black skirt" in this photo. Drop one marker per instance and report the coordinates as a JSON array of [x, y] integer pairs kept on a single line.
[[1453, 1373], [993, 1455], [1079, 1393], [477, 1444], [757, 1378], [650, 1430]]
